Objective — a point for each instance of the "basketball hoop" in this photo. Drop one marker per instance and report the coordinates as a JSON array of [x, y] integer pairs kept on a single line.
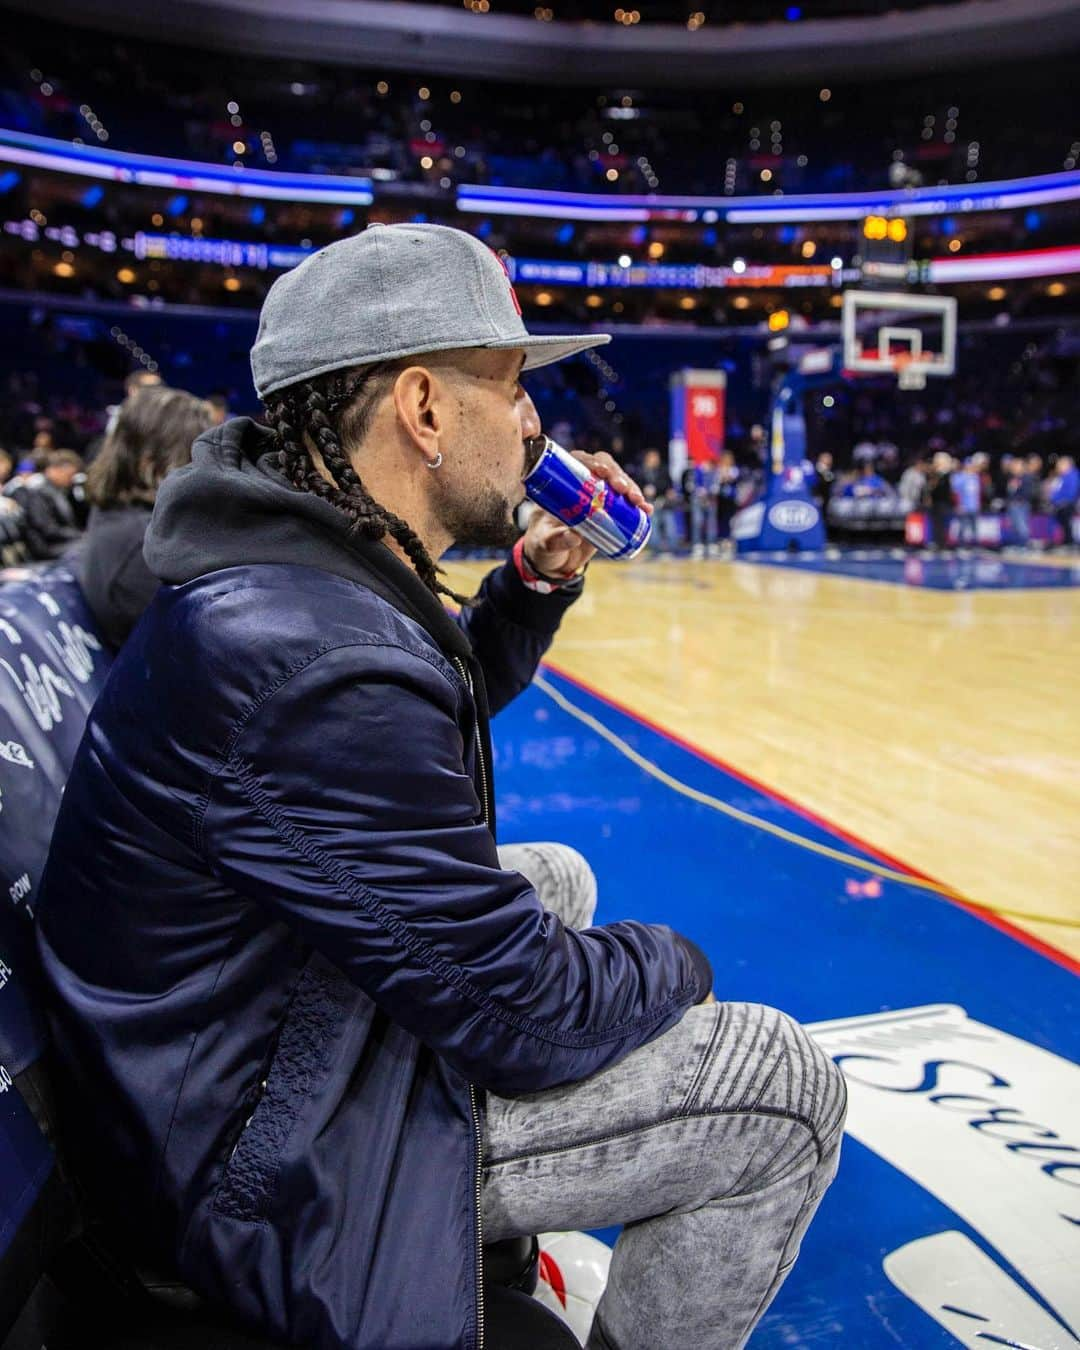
[[908, 375], [911, 336]]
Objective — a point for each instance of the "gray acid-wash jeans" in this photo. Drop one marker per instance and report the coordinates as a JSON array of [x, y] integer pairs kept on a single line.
[[713, 1145]]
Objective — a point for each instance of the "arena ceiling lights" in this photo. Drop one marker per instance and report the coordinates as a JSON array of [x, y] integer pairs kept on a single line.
[[41, 152], [189, 175], [1039, 262], [937, 201]]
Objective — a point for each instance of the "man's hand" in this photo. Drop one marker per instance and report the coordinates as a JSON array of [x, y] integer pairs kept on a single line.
[[554, 548]]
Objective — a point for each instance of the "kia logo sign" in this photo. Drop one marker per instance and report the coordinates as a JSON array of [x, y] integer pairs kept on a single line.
[[793, 517]]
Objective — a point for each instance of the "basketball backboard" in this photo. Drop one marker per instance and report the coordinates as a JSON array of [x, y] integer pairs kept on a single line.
[[910, 336]]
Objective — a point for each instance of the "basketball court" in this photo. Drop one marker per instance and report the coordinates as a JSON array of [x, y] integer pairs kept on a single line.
[[859, 793]]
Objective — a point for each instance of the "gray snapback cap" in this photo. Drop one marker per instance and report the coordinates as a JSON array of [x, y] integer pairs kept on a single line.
[[388, 292]]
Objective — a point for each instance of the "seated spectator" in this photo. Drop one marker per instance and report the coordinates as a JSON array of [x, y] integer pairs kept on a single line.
[[12, 549], [133, 381], [152, 434], [26, 475], [51, 525], [868, 483]]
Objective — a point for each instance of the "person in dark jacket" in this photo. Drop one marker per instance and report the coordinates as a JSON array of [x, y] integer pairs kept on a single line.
[[656, 485], [50, 527], [329, 1041], [940, 498], [152, 434]]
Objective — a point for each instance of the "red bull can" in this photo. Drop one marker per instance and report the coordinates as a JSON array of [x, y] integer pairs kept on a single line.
[[566, 488]]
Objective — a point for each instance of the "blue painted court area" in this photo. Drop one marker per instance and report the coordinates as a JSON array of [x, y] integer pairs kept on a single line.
[[947, 573], [955, 1219]]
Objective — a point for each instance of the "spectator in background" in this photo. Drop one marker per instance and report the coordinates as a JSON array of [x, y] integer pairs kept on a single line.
[[913, 484], [655, 482], [824, 480], [727, 495], [219, 406], [1021, 497], [867, 482], [980, 462], [967, 494], [26, 475], [701, 487], [939, 496], [134, 380], [12, 549], [51, 525], [887, 460], [141, 379], [1063, 494], [152, 435]]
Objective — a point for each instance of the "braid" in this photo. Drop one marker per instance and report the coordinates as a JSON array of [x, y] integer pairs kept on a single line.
[[318, 410]]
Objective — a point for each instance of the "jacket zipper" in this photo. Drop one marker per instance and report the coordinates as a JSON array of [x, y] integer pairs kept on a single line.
[[479, 1145], [485, 798], [478, 1138]]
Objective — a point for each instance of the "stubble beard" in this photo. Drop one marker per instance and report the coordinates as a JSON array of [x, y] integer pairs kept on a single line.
[[485, 521]]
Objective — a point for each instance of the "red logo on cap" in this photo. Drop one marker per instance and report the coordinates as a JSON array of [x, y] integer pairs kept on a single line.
[[513, 293]]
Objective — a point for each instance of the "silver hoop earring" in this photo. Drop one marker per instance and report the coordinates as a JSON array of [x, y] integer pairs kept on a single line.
[[434, 463]]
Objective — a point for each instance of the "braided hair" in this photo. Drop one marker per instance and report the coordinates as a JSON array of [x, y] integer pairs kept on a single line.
[[326, 412]]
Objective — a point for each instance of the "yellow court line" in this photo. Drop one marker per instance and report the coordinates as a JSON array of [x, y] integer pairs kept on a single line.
[[778, 831]]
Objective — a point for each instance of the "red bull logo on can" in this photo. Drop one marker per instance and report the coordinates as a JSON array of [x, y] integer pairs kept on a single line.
[[588, 501], [591, 498]]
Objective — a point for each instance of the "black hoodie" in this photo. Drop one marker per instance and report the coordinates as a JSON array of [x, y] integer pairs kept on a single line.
[[233, 507]]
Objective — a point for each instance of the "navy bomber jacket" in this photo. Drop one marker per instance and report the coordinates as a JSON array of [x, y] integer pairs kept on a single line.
[[284, 961]]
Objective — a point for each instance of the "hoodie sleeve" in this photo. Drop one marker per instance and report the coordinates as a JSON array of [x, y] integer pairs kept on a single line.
[[343, 806], [511, 629]]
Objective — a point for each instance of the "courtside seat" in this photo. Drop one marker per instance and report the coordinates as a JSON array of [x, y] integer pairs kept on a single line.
[[60, 1282], [63, 1285]]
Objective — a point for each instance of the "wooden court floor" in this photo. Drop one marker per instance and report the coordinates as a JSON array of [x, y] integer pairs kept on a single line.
[[941, 727]]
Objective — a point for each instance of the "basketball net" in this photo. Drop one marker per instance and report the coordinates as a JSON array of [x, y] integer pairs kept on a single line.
[[908, 376]]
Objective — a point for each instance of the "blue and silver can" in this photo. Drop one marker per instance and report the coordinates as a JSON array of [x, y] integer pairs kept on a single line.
[[564, 486]]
